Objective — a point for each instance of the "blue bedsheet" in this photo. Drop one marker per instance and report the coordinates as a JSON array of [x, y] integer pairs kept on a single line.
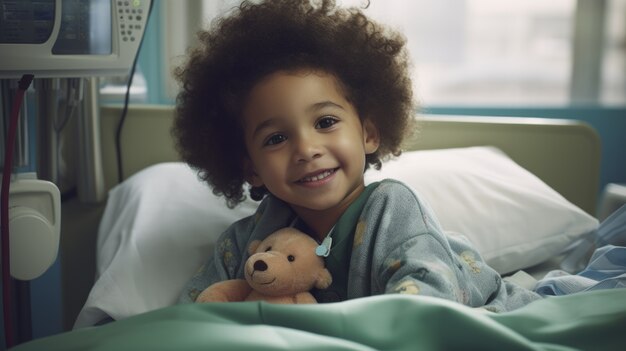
[[606, 268]]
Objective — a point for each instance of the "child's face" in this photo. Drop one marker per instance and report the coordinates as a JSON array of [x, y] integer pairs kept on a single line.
[[305, 141]]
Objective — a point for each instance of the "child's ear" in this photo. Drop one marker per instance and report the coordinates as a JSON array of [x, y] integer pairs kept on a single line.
[[250, 175], [371, 136]]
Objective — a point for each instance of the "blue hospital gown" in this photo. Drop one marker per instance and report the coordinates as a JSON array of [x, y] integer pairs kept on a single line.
[[393, 244]]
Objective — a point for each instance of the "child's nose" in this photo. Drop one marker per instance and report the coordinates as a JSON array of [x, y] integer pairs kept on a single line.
[[307, 149]]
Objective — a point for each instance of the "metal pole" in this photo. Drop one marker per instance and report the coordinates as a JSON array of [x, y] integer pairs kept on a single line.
[[90, 180], [47, 109]]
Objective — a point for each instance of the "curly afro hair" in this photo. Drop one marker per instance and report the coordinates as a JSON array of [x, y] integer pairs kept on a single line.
[[370, 61]]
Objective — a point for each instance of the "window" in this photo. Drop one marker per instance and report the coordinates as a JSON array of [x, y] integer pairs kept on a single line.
[[613, 87], [484, 52], [491, 52]]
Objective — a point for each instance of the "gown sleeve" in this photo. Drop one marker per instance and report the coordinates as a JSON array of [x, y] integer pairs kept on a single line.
[[411, 254]]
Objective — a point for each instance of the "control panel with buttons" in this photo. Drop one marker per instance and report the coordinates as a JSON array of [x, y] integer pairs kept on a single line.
[[131, 16]]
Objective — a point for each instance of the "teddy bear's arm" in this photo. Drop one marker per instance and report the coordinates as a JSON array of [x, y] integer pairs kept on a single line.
[[225, 291], [304, 297]]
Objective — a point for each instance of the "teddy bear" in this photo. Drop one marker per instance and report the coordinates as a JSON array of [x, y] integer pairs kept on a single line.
[[282, 268]]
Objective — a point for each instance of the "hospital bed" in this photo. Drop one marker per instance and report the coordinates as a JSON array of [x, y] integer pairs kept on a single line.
[[522, 189]]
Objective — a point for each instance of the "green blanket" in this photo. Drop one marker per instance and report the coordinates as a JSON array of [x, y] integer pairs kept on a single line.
[[586, 321]]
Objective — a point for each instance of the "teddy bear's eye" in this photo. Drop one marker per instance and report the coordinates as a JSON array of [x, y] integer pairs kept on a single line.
[[269, 248], [291, 258]]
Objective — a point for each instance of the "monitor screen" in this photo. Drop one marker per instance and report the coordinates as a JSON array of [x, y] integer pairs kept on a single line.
[[70, 38], [85, 25], [26, 22]]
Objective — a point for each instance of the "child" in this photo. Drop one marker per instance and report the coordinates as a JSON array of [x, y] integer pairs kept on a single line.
[[298, 100]]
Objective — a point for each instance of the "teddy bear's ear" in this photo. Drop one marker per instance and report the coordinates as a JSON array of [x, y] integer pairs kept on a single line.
[[253, 246], [324, 279]]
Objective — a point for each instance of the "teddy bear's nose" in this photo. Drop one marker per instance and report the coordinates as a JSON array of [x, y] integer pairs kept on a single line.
[[260, 265]]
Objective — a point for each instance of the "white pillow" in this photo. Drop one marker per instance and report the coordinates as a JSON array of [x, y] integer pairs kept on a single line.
[[160, 225], [512, 217]]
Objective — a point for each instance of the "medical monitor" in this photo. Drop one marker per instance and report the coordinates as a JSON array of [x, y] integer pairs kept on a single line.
[[70, 38]]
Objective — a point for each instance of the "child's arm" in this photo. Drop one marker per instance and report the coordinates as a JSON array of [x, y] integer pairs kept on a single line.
[[425, 266], [223, 264], [409, 253], [459, 274]]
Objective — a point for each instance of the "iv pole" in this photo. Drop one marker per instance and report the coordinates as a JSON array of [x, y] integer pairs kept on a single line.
[[90, 180]]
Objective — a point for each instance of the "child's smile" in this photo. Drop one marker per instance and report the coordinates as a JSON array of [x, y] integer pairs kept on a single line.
[[318, 178], [306, 142]]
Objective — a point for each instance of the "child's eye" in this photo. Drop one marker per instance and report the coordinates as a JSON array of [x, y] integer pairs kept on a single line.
[[325, 122], [275, 139]]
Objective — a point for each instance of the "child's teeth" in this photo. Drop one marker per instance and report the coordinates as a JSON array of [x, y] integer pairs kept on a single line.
[[317, 177]]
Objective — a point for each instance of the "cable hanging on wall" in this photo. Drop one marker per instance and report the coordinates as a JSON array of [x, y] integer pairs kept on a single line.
[[120, 125]]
